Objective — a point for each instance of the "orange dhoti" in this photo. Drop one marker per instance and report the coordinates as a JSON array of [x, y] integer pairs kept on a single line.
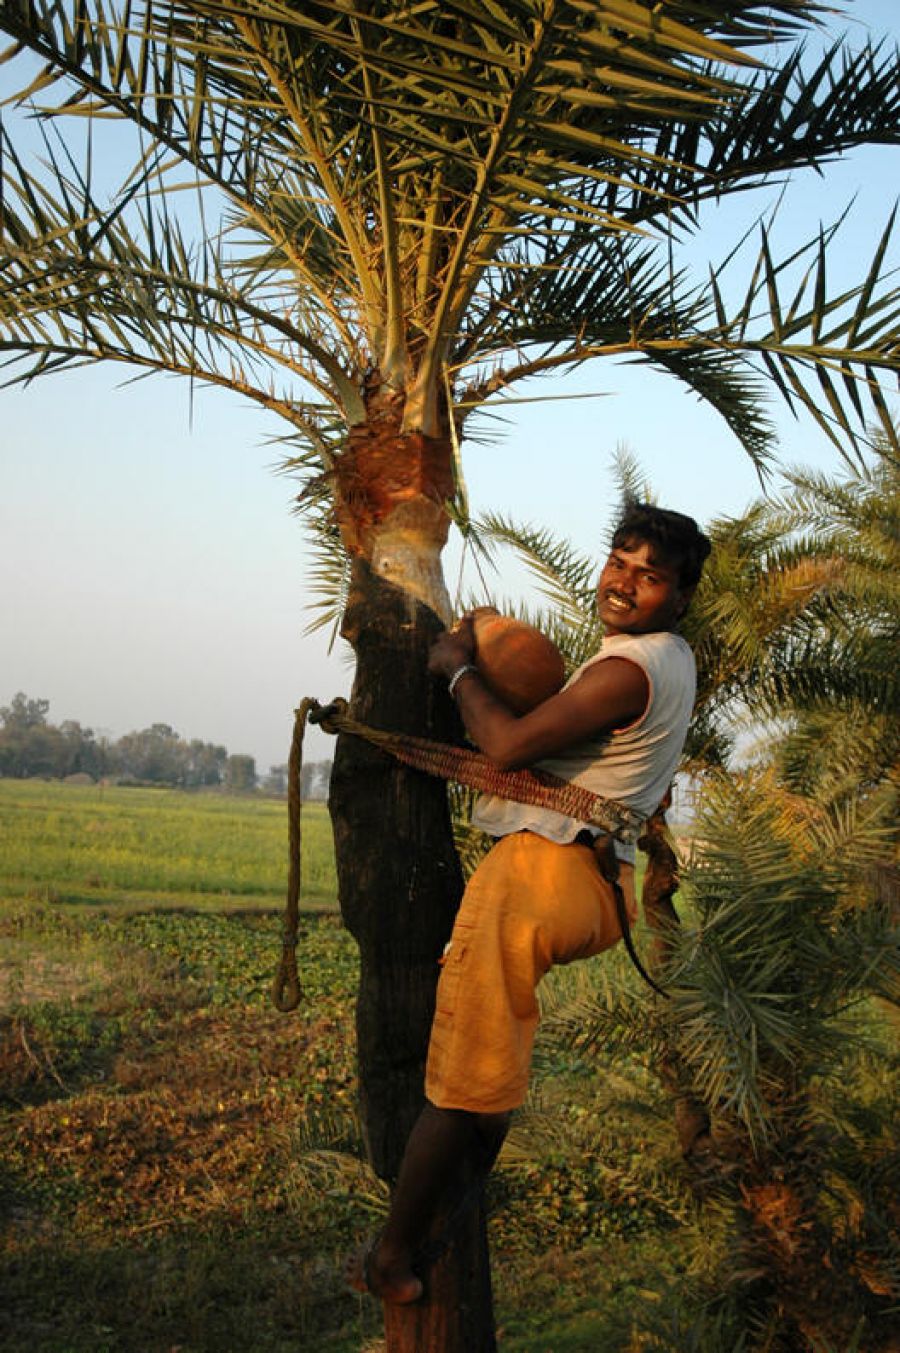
[[531, 903]]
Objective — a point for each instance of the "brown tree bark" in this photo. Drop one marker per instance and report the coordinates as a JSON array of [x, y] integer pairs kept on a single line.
[[399, 884]]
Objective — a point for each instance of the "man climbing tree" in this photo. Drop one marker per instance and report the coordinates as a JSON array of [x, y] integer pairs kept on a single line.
[[617, 728]]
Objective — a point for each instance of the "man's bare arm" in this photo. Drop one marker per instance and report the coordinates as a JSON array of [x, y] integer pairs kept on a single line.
[[610, 694]]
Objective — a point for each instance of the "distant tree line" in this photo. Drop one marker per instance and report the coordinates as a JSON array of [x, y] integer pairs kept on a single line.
[[32, 746]]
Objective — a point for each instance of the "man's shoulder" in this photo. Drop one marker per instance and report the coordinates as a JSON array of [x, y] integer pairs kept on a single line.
[[664, 655], [658, 652], [655, 641]]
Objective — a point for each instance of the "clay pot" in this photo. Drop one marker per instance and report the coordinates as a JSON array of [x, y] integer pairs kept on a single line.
[[520, 665]]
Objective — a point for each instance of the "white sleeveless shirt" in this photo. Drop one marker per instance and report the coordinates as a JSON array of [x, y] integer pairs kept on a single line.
[[633, 765]]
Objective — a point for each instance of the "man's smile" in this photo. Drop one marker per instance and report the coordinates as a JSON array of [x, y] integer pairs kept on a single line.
[[618, 603]]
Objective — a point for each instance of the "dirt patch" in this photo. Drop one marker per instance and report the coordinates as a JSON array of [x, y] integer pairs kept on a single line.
[[198, 1123]]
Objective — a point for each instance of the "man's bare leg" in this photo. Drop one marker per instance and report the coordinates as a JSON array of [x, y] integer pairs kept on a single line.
[[441, 1142]]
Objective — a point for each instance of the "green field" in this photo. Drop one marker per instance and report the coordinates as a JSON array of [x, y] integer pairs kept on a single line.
[[156, 847], [177, 1158]]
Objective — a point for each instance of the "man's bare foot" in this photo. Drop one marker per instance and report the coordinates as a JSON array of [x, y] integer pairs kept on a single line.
[[370, 1271]]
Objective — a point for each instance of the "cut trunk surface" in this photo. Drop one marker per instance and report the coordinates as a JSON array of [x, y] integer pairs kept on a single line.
[[391, 491]]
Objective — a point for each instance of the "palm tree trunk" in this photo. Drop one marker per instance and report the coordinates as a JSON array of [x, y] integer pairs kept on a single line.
[[399, 883]]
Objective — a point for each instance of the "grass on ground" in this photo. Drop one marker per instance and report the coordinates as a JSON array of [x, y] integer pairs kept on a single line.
[[134, 848]]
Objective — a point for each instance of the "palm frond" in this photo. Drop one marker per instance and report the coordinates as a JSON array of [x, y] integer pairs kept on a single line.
[[621, 300], [471, 844], [630, 482], [82, 284], [793, 114], [774, 951], [329, 1158], [313, 453], [563, 576], [787, 331]]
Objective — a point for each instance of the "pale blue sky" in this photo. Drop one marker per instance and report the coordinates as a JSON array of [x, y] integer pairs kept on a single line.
[[152, 570]]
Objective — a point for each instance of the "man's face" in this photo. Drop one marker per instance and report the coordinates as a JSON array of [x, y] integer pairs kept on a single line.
[[636, 595]]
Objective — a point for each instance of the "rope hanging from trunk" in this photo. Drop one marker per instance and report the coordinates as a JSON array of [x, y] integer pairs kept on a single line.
[[537, 788], [286, 987]]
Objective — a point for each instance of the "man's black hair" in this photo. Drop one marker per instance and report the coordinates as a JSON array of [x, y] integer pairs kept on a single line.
[[673, 537]]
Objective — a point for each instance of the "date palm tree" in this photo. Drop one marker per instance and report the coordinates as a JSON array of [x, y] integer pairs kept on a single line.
[[403, 209]]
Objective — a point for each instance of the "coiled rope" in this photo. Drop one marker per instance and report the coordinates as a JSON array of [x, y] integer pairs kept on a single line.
[[537, 788]]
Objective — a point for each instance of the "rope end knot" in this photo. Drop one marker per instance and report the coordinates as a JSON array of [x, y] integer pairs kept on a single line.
[[328, 717], [285, 991]]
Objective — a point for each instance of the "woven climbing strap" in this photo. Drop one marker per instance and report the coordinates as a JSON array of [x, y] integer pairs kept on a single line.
[[538, 789]]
